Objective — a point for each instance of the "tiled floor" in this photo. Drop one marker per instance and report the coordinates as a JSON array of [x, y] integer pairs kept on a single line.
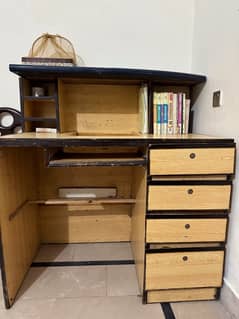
[[200, 310], [85, 252], [88, 292]]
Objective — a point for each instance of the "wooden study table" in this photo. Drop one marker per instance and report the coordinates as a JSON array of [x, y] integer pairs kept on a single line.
[[173, 192]]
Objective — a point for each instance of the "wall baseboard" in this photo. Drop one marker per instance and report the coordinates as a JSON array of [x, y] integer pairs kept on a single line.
[[229, 300]]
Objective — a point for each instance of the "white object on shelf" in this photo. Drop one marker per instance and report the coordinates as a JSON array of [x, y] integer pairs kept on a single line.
[[82, 192]]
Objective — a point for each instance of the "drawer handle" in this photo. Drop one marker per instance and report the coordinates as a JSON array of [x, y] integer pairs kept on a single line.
[[190, 191], [187, 226], [185, 258], [192, 155]]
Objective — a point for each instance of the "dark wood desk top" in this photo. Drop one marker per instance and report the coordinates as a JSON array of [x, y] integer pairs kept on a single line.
[[70, 139]]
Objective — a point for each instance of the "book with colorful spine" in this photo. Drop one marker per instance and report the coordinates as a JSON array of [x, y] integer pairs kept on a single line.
[[170, 113]]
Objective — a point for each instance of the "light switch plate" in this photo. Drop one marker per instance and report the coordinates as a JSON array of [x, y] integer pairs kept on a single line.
[[217, 98]]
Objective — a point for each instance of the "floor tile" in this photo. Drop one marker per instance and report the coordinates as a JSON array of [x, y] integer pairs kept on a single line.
[[30, 309], [102, 251], [83, 308], [200, 310], [54, 253], [84, 252], [62, 282], [122, 281]]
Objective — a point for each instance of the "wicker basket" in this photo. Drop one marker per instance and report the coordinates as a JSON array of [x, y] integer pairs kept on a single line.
[[52, 48]]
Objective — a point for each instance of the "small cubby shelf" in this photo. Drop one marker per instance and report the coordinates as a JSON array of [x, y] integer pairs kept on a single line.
[[38, 119], [31, 123], [39, 111], [50, 98]]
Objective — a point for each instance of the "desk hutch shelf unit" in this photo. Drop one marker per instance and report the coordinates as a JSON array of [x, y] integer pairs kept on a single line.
[[173, 193]]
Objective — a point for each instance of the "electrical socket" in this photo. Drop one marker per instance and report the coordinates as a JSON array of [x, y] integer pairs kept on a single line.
[[217, 98]]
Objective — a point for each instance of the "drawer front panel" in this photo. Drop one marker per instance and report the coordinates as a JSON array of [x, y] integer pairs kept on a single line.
[[181, 295], [189, 197], [192, 161], [186, 230], [184, 270]]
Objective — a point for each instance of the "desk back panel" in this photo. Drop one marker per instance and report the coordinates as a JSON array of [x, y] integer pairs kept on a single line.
[[59, 225], [112, 103]]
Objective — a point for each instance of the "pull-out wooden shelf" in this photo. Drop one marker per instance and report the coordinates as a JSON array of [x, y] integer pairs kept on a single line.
[[95, 156], [76, 160], [59, 201]]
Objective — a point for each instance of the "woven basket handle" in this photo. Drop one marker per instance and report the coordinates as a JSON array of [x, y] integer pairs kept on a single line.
[[45, 37]]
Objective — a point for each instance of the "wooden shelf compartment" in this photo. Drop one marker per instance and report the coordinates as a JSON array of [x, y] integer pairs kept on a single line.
[[99, 108], [49, 86], [47, 98], [39, 119], [31, 123], [39, 108]]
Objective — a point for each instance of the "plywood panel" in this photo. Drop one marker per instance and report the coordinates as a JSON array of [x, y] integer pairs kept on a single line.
[[106, 123], [184, 270], [186, 230], [181, 295], [92, 99], [58, 225], [19, 233], [192, 161], [189, 197], [138, 222]]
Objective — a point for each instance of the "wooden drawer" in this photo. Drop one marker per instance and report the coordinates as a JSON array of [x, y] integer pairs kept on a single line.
[[184, 270], [192, 161], [186, 230], [189, 197], [181, 295]]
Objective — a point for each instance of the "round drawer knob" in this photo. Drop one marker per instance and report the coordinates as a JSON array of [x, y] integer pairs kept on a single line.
[[192, 155], [185, 258], [187, 226], [190, 191]]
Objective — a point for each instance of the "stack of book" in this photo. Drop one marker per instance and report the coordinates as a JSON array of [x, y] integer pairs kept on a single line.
[[171, 113]]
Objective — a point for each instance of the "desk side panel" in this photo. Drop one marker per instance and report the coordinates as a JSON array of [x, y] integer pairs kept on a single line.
[[138, 223], [19, 231]]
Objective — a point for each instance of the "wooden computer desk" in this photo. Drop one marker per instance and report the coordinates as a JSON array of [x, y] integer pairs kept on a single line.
[[173, 192]]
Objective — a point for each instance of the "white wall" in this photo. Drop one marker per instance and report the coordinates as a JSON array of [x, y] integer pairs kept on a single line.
[[216, 54], [135, 33]]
